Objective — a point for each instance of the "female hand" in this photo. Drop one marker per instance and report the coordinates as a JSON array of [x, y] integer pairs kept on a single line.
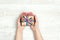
[[34, 27], [19, 32], [20, 27]]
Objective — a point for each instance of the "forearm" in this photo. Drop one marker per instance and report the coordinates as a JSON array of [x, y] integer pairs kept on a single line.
[[37, 34], [19, 34]]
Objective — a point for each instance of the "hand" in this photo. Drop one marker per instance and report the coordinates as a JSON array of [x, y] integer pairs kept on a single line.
[[19, 31], [36, 23], [20, 27]]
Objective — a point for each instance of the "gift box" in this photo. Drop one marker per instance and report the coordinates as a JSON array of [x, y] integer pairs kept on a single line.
[[27, 20]]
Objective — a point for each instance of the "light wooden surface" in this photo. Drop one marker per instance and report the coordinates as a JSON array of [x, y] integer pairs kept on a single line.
[[47, 11]]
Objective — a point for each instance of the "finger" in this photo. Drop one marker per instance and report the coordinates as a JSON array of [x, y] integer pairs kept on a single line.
[[30, 14], [18, 21], [23, 14]]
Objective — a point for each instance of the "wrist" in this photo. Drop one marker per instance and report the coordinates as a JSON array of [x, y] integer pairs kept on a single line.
[[36, 29], [19, 30]]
